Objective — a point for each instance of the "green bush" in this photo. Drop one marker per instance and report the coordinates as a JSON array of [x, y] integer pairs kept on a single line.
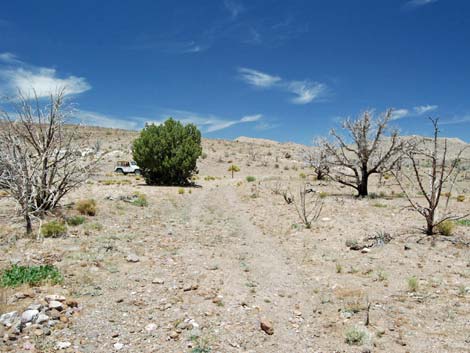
[[75, 220], [53, 229], [86, 207], [250, 178], [32, 275], [167, 153]]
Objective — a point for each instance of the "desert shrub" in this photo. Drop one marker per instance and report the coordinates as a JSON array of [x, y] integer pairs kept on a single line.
[[250, 178], [355, 336], [463, 222], [181, 191], [302, 176], [204, 155], [53, 229], [86, 207], [461, 198], [412, 284], [140, 200], [94, 226], [75, 220], [233, 169], [32, 275], [167, 153], [322, 194], [446, 228]]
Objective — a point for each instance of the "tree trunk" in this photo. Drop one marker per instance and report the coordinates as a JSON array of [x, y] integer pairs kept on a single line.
[[429, 228], [362, 189], [29, 226]]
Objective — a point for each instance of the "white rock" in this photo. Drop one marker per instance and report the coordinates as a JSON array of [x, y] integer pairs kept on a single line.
[[132, 258], [63, 345], [41, 318], [29, 315], [158, 281], [118, 346], [35, 307], [151, 327], [54, 304], [8, 318]]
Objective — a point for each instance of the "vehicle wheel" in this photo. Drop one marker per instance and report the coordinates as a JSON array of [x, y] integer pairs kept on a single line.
[[119, 170], [138, 172]]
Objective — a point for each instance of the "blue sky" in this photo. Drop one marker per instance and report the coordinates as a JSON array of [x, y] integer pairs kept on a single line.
[[285, 70]]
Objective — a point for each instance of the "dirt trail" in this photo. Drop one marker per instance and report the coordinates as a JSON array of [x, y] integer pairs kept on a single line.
[[258, 279]]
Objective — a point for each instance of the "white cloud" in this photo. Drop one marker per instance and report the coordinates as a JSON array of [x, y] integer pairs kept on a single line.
[[251, 118], [418, 3], [423, 109], [98, 119], [208, 123], [16, 75], [456, 120], [306, 91], [258, 78], [399, 113]]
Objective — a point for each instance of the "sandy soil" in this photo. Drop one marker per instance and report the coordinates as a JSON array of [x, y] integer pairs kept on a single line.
[[211, 263]]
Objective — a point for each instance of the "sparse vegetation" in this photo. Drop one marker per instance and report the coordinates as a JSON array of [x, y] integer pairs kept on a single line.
[[355, 336], [31, 275], [413, 284], [53, 229], [86, 207], [75, 220], [250, 179], [140, 200], [233, 169], [446, 228]]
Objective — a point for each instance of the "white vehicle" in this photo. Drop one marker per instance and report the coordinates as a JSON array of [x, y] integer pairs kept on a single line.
[[125, 167]]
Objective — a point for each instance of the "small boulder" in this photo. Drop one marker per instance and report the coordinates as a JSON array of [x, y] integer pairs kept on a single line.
[[7, 319], [54, 304], [267, 326], [132, 258], [29, 315]]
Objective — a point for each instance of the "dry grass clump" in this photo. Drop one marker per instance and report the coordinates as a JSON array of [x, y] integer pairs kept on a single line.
[[53, 229], [86, 207]]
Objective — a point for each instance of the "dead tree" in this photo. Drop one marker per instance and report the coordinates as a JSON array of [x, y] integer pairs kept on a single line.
[[370, 152], [317, 159], [307, 204], [39, 155], [434, 179]]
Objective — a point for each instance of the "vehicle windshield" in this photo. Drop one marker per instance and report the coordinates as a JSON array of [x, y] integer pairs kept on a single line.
[[133, 163]]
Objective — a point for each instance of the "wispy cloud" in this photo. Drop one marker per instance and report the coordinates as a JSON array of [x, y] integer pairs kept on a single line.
[[258, 78], [399, 113], [104, 120], [418, 3], [234, 7], [423, 109], [414, 112], [16, 75], [305, 91], [207, 123], [456, 120]]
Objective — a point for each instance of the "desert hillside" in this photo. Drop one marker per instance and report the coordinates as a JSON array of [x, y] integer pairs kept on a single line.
[[228, 266]]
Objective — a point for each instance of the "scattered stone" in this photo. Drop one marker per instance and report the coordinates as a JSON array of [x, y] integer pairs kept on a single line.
[[54, 297], [158, 281], [63, 345], [174, 335], [151, 327], [407, 247], [132, 258], [54, 314], [118, 346], [7, 319], [41, 318], [54, 304], [267, 326], [29, 315], [34, 307], [38, 332]]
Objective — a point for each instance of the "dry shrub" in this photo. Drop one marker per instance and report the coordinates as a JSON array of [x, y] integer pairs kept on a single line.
[[86, 207]]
